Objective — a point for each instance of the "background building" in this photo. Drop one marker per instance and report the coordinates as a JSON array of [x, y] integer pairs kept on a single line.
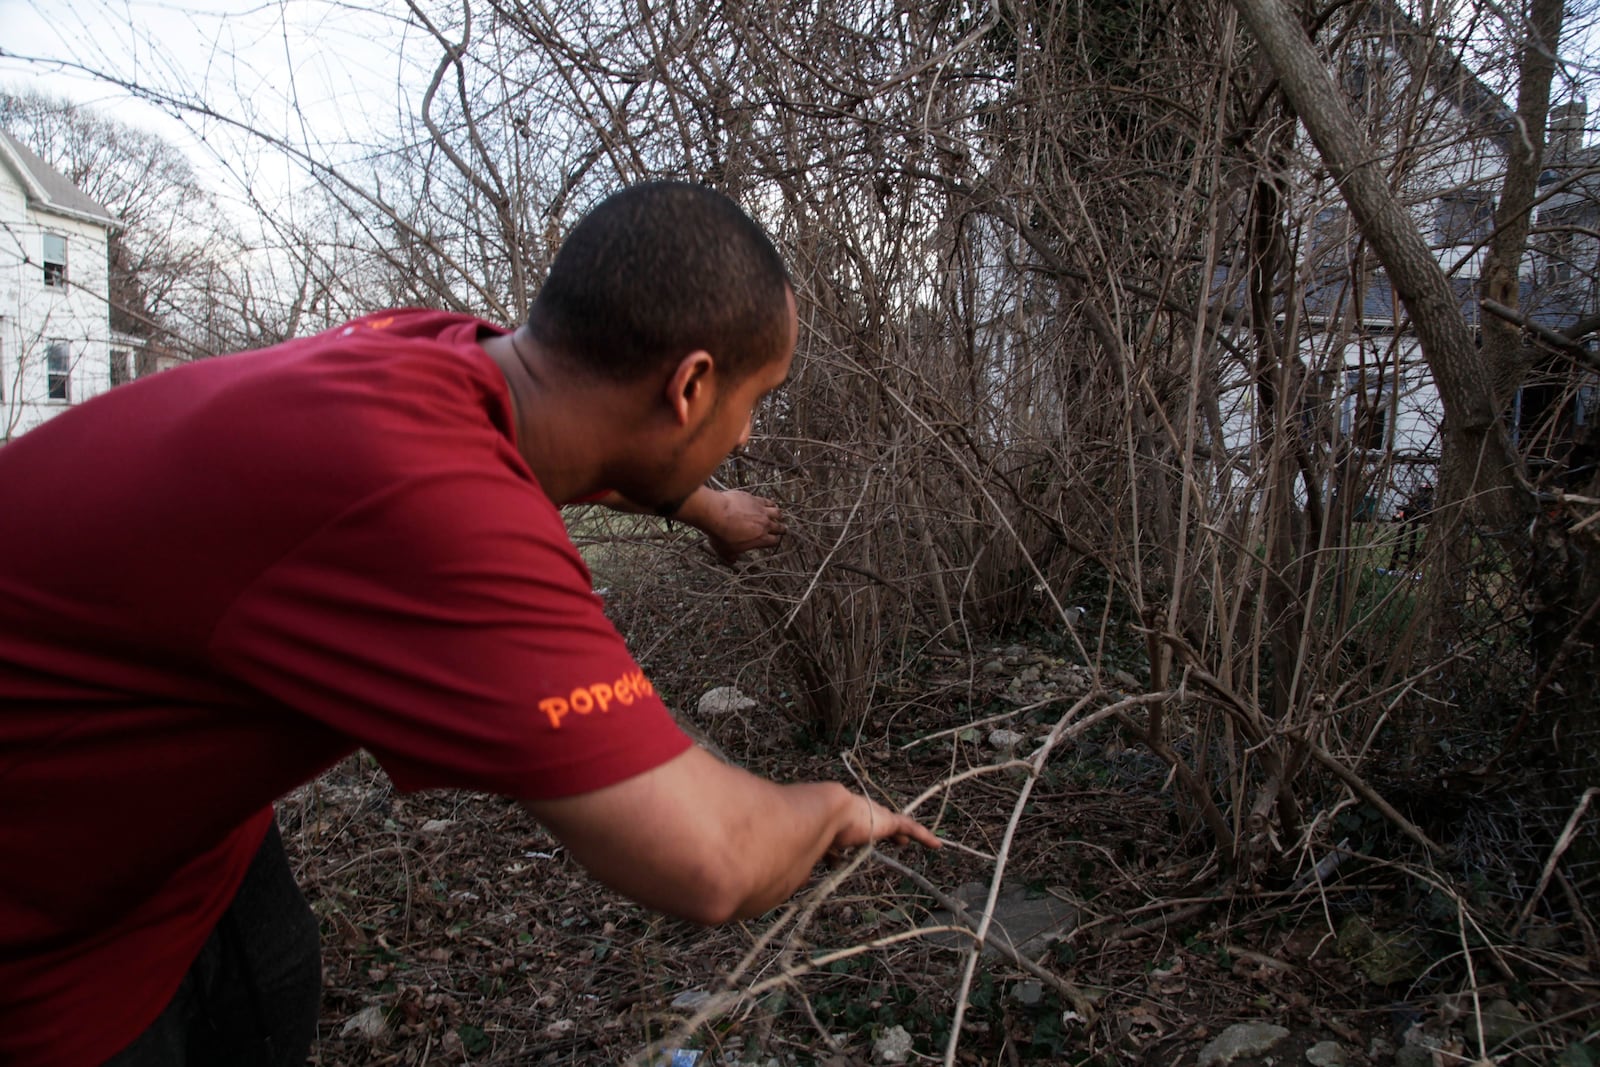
[[56, 345]]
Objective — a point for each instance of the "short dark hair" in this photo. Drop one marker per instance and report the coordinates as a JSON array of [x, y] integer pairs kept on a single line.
[[660, 270]]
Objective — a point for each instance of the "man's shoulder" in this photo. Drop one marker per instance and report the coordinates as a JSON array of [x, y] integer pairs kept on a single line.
[[311, 426], [423, 324], [402, 364]]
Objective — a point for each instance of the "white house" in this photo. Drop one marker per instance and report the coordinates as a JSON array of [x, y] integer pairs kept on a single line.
[[56, 346], [1443, 137]]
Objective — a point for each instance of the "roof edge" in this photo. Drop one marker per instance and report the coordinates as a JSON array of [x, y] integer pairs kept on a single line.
[[22, 161]]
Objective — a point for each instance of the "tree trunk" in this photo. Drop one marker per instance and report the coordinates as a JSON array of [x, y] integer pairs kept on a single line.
[[1478, 452]]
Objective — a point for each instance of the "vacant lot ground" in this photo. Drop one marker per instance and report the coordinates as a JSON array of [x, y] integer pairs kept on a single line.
[[456, 930]]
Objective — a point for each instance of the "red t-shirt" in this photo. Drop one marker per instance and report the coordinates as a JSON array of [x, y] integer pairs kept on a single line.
[[218, 581]]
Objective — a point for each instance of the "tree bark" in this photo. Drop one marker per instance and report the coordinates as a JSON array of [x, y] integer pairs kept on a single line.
[[1474, 438], [1502, 341]]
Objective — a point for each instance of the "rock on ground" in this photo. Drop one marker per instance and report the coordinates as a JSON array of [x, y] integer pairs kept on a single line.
[[1501, 1022], [691, 1000], [893, 1047], [724, 699], [1240, 1039], [1326, 1054], [1027, 923], [1006, 740], [369, 1023]]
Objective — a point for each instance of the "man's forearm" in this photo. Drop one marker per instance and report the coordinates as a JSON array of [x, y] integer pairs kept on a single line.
[[700, 509], [783, 830], [707, 841], [781, 846], [735, 522], [696, 510]]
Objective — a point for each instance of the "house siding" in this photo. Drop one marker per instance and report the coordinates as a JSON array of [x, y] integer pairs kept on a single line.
[[1444, 141], [33, 315]]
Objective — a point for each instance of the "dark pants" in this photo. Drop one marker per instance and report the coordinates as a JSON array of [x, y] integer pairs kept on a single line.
[[251, 997], [1404, 552]]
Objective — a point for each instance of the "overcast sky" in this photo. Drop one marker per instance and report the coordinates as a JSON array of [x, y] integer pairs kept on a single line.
[[314, 72]]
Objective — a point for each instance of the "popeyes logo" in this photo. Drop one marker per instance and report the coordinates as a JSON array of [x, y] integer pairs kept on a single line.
[[368, 324], [597, 697]]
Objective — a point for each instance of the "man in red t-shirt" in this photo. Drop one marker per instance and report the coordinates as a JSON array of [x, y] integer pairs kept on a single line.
[[218, 581]]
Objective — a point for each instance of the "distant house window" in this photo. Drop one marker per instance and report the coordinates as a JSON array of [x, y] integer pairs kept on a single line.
[[1369, 74], [55, 259], [1463, 218], [58, 367], [121, 366], [1331, 234], [1559, 269], [1372, 426], [1355, 79], [1366, 410], [1562, 225]]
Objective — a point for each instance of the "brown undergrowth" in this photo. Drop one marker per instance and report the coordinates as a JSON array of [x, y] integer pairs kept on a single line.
[[476, 939], [456, 930]]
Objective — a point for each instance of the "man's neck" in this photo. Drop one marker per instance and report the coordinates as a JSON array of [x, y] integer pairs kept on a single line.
[[557, 420]]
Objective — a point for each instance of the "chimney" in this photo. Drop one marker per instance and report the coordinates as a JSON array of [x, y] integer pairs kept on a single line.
[[1566, 128]]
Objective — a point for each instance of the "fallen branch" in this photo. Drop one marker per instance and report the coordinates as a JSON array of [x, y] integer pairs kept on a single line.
[[1080, 1000], [1563, 843], [1370, 795]]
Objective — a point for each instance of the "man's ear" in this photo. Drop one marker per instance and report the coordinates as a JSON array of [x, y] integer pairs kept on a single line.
[[689, 390]]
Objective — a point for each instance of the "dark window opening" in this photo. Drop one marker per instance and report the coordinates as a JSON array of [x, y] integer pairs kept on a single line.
[[1563, 225], [1463, 218], [1332, 235], [55, 259], [1367, 418], [58, 367], [1372, 426]]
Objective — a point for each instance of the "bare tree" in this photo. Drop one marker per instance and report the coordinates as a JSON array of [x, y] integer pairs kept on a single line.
[[168, 219]]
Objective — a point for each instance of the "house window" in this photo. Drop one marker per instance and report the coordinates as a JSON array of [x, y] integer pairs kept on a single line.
[[1563, 224], [55, 259], [121, 366], [1369, 73], [58, 368], [1372, 425], [1366, 410], [1463, 218], [1331, 233], [1355, 79], [1561, 248]]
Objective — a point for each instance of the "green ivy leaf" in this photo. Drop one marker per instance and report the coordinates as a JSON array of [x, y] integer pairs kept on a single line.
[[1577, 1054]]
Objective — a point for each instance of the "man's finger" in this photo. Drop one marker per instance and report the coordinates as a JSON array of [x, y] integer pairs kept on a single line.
[[911, 828], [901, 827]]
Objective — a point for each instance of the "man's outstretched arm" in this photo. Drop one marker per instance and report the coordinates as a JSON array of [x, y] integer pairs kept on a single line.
[[705, 841], [734, 521]]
